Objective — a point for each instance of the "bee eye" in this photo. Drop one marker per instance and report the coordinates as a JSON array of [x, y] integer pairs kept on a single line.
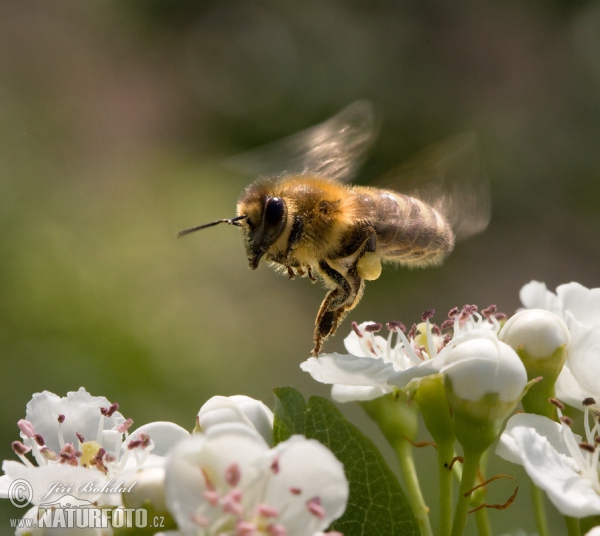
[[274, 211]]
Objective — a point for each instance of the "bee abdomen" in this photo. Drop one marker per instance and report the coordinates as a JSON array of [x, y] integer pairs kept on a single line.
[[410, 231]]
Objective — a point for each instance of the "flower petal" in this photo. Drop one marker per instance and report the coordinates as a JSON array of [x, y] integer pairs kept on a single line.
[[307, 470], [348, 370]]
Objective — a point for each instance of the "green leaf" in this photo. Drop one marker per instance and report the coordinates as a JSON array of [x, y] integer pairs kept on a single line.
[[377, 504], [290, 410]]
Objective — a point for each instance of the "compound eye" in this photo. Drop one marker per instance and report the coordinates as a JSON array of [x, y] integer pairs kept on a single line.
[[274, 211]]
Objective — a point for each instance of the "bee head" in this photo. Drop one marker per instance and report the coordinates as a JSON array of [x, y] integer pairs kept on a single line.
[[265, 220]]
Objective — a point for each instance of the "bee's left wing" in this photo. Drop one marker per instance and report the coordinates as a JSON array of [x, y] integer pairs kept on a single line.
[[334, 149], [449, 177]]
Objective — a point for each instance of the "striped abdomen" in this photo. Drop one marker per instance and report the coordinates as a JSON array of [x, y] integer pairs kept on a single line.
[[408, 230]]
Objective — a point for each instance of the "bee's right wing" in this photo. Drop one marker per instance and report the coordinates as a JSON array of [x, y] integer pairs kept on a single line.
[[449, 177], [334, 149]]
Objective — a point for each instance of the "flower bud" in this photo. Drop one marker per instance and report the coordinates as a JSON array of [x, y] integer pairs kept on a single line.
[[238, 408], [540, 338], [484, 380], [537, 332]]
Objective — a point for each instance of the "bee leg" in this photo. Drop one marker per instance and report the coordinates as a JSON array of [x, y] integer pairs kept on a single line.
[[290, 272], [312, 278], [336, 304]]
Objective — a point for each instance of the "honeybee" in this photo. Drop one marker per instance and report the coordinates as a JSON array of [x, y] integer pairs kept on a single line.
[[303, 218]]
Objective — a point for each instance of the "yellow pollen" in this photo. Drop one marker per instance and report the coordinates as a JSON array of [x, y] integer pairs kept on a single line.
[[89, 449]]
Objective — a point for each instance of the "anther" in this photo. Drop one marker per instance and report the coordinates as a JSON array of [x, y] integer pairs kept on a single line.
[[20, 449], [39, 440], [233, 474], [373, 328], [589, 401], [447, 324], [453, 312], [413, 332], [566, 420], [124, 426], [395, 325], [315, 508], [61, 418], [489, 311], [108, 412], [587, 447], [427, 315], [80, 437], [356, 329], [500, 317], [26, 427], [556, 402]]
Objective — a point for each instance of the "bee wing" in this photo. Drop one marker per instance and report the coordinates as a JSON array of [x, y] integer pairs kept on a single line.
[[449, 177], [334, 149]]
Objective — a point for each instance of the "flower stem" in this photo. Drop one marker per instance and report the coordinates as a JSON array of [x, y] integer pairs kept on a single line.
[[541, 522], [470, 466], [404, 453], [573, 528], [445, 453]]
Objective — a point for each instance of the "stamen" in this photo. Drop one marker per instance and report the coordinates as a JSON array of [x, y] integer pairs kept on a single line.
[[427, 315], [295, 491], [447, 324], [26, 427], [453, 312], [212, 497], [245, 528], [567, 420], [20, 449], [373, 328], [80, 437], [589, 401], [395, 325], [587, 447], [108, 412], [556, 402], [233, 474], [276, 530], [275, 466], [39, 440], [356, 329], [489, 311], [61, 418], [412, 333], [315, 508], [124, 426], [266, 510]]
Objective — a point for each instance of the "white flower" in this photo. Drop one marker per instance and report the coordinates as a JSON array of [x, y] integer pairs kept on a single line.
[[228, 482], [467, 325], [82, 440], [239, 408], [373, 360], [556, 460], [579, 307]]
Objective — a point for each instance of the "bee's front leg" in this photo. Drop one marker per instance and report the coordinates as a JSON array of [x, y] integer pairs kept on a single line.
[[337, 303]]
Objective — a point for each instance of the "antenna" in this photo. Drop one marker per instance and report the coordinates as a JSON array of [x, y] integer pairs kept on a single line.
[[232, 221]]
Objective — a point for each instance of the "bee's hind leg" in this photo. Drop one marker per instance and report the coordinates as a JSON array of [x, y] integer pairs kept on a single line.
[[336, 304]]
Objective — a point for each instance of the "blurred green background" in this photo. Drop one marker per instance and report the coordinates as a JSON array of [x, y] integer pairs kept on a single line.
[[115, 114]]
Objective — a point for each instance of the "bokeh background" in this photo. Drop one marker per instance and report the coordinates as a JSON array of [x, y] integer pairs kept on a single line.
[[116, 114]]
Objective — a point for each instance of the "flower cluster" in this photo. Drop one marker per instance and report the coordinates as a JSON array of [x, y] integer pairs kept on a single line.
[[224, 479]]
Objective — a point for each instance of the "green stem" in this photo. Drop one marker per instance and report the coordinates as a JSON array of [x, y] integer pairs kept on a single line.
[[404, 453], [537, 496], [470, 466], [482, 518], [484, 527], [445, 454], [572, 526]]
